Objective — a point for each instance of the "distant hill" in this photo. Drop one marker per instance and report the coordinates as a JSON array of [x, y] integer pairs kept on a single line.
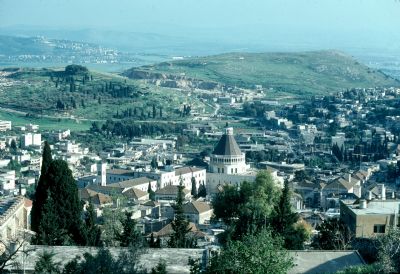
[[297, 74], [17, 50]]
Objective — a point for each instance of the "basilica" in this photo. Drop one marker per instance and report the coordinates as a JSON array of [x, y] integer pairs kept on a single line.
[[227, 164]]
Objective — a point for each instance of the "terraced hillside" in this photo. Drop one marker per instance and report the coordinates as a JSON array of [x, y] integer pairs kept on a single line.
[[298, 74]]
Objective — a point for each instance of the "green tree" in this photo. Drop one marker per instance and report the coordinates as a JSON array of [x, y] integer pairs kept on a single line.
[[46, 158], [154, 111], [49, 230], [202, 191], [333, 235], [194, 187], [152, 194], [180, 224], [91, 230], [62, 187], [259, 253], [389, 251], [284, 220], [257, 208], [111, 224], [130, 235], [161, 268], [46, 264], [14, 165], [41, 189], [154, 163]]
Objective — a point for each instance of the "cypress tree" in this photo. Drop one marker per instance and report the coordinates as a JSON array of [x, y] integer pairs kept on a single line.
[[284, 220], [180, 224], [64, 192], [41, 189], [129, 235], [202, 191], [194, 187], [49, 231], [91, 231], [151, 192], [284, 217]]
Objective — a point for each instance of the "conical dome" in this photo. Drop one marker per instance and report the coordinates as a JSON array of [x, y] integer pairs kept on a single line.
[[227, 145]]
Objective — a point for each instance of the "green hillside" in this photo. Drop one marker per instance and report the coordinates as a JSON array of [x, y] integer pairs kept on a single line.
[[319, 72], [78, 94]]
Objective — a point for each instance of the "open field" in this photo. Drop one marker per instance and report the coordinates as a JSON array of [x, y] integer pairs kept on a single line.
[[45, 123]]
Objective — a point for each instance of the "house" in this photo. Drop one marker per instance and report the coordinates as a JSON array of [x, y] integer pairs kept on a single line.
[[170, 193], [370, 218], [96, 198], [198, 212], [141, 183], [5, 125], [166, 232], [7, 180], [14, 216]]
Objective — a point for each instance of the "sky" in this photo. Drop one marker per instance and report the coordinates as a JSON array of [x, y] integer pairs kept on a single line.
[[331, 21]]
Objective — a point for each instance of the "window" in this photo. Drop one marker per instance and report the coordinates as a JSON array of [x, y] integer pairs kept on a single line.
[[222, 170], [379, 228], [218, 170]]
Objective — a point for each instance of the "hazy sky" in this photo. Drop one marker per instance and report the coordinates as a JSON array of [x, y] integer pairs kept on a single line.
[[131, 14], [330, 19]]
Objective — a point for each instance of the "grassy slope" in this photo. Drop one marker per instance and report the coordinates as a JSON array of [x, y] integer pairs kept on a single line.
[[319, 72], [45, 123], [32, 91]]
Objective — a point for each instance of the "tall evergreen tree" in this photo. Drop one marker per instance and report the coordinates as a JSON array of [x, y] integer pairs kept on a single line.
[[91, 230], [151, 192], [62, 187], [154, 111], [194, 187], [129, 236], [49, 231], [46, 158], [180, 224], [202, 191], [284, 221], [284, 217], [41, 189]]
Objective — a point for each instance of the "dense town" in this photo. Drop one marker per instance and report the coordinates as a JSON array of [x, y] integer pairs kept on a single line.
[[338, 156]]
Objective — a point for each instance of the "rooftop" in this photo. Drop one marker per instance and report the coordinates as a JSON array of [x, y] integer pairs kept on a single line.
[[227, 145], [377, 207], [131, 183]]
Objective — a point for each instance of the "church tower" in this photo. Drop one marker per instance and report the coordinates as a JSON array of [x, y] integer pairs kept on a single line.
[[227, 158]]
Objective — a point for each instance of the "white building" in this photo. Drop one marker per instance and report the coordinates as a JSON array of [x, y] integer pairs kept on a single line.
[[31, 139], [5, 125], [7, 180], [227, 164], [163, 177]]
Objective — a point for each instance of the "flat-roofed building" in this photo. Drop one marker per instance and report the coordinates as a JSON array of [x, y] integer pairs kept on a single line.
[[5, 125], [370, 218]]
